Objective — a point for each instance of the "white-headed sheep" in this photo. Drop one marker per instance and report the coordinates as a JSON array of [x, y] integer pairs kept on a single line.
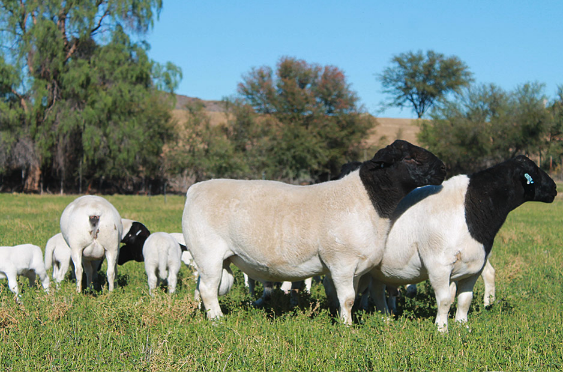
[[58, 256], [162, 255], [23, 259], [279, 232], [92, 228]]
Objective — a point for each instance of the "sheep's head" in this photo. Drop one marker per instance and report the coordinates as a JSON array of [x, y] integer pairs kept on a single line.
[[536, 184], [395, 171], [135, 234], [413, 165]]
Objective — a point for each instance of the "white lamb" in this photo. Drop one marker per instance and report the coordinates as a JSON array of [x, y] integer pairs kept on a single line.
[[23, 259], [162, 255], [279, 232], [58, 256], [92, 228]]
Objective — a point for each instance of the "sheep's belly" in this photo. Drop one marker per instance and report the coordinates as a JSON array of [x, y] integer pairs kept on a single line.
[[94, 251], [280, 272]]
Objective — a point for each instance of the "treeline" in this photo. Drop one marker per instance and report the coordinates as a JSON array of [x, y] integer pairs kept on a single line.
[[485, 124], [83, 109]]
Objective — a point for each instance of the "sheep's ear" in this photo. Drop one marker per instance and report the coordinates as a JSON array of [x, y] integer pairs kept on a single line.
[[388, 155]]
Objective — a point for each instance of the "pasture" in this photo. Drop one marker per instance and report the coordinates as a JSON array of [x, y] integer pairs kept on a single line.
[[129, 330]]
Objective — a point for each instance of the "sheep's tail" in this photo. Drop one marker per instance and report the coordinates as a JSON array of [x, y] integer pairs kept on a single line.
[[163, 264], [49, 250], [94, 222]]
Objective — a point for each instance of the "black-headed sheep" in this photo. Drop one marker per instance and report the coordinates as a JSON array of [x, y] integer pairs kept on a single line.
[[279, 232]]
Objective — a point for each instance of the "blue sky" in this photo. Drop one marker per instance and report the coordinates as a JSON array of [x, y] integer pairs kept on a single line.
[[216, 42]]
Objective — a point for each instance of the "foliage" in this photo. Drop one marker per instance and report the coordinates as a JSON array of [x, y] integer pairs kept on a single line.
[[79, 98], [486, 125], [311, 115], [129, 330], [202, 150], [419, 80]]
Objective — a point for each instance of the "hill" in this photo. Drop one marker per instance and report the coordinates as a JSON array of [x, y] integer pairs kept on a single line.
[[388, 129]]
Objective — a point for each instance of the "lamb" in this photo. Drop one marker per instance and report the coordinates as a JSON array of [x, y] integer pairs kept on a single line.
[[134, 236], [446, 233], [162, 255], [279, 232], [23, 259], [186, 255], [92, 228], [57, 256]]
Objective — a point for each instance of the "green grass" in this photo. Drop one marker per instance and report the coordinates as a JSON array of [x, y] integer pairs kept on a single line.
[[129, 330]]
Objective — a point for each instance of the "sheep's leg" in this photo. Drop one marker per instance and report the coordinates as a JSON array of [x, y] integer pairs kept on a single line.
[[30, 275], [488, 275], [266, 294], [363, 291], [13, 284], [444, 297], [377, 292], [464, 297], [330, 292], [87, 265], [393, 293], [308, 284], [61, 271], [250, 284], [112, 268], [172, 279], [152, 280], [77, 261], [345, 289], [208, 287], [294, 293]]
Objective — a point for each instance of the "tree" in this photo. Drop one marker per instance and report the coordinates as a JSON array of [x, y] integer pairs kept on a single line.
[[314, 120], [486, 125], [202, 151], [86, 99], [419, 80]]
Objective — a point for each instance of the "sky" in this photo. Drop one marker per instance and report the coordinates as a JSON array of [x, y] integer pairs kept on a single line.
[[215, 43]]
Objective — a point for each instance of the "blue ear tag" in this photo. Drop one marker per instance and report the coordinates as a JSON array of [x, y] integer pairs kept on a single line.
[[529, 178]]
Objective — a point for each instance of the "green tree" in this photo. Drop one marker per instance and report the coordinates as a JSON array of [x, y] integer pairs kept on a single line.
[[88, 101], [486, 125], [313, 119], [419, 80], [202, 151]]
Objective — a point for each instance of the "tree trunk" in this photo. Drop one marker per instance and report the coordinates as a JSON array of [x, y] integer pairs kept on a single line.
[[33, 178]]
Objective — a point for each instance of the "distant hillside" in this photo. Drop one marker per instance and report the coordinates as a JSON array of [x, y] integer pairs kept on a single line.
[[388, 130]]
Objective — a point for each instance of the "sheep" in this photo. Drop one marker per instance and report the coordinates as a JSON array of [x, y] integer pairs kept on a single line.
[[134, 236], [58, 253], [162, 255], [92, 228], [446, 233], [23, 259], [57, 256], [186, 255], [279, 232]]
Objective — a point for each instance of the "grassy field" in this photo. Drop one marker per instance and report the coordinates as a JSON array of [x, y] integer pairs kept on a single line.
[[128, 330]]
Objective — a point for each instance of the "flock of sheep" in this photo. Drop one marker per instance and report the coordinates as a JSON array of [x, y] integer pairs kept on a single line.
[[390, 221]]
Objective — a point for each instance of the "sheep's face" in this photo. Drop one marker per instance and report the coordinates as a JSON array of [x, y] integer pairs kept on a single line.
[[536, 184], [134, 241], [414, 165]]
